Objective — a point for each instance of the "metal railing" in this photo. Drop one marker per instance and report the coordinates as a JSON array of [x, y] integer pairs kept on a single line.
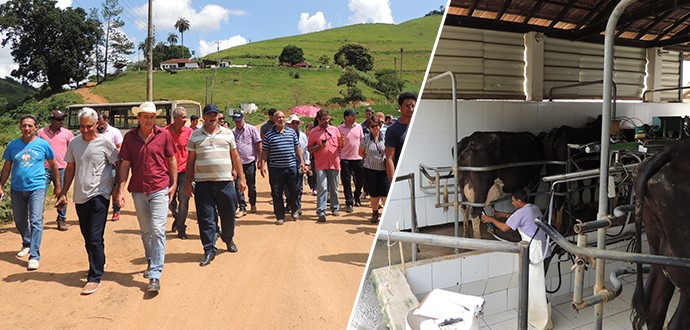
[[644, 94], [520, 248], [413, 208]]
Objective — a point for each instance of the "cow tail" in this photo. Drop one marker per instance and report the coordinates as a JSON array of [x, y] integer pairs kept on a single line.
[[640, 312]]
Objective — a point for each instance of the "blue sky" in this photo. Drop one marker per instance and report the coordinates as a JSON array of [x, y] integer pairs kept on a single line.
[[237, 22]]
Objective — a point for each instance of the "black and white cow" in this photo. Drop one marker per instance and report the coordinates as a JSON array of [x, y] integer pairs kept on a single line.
[[483, 149], [662, 187], [556, 149]]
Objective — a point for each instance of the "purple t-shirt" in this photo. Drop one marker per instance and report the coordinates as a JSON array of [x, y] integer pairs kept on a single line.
[[524, 219], [246, 140]]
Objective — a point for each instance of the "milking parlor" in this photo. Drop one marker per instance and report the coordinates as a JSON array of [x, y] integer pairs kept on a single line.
[[581, 104]]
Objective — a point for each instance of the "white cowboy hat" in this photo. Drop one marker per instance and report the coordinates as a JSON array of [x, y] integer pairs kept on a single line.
[[146, 107], [292, 118]]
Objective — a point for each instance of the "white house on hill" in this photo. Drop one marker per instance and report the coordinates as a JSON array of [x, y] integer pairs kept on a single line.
[[178, 64]]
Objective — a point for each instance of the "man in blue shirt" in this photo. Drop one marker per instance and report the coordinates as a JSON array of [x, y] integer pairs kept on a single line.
[[25, 158], [282, 152]]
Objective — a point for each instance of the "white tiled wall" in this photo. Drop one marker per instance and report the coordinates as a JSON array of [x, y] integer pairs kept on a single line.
[[432, 134], [494, 277]]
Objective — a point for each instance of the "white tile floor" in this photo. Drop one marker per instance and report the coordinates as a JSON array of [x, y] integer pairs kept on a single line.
[[616, 312]]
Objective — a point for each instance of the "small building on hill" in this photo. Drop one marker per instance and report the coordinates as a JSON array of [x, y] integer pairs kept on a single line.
[[178, 64]]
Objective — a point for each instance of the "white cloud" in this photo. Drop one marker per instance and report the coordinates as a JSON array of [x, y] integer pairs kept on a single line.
[[208, 19], [64, 4], [370, 11], [6, 61], [314, 23], [207, 47]]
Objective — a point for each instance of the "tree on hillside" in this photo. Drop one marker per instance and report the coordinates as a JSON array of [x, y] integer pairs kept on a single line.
[[291, 54], [352, 93], [163, 52], [388, 83], [31, 28], [94, 15], [182, 25], [439, 11], [356, 55], [115, 42], [324, 59]]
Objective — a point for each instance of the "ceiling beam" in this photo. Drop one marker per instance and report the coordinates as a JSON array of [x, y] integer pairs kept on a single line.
[[649, 26], [473, 6], [535, 8], [562, 13], [506, 4], [672, 27]]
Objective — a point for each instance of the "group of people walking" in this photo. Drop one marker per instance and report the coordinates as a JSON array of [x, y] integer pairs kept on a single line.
[[170, 164]]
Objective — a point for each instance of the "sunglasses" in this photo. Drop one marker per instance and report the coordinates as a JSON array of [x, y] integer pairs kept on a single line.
[[58, 119]]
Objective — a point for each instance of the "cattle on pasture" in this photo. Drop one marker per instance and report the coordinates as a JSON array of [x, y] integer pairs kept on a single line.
[[556, 148], [483, 149], [662, 188]]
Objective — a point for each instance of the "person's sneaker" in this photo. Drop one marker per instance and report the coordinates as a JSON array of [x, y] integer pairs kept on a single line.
[[335, 213], [62, 224], [90, 288], [23, 252], [348, 209], [358, 203], [116, 216], [33, 264], [280, 222], [154, 285], [240, 213], [313, 192], [252, 209], [295, 216], [322, 218]]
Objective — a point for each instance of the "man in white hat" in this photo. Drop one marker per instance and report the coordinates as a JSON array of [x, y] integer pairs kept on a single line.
[[149, 151], [294, 122], [58, 138]]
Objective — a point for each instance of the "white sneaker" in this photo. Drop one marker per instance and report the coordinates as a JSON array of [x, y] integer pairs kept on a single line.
[[33, 264], [23, 252]]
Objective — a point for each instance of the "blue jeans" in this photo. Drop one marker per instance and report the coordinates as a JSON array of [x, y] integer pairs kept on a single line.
[[179, 205], [152, 211], [209, 196], [280, 179], [326, 182], [92, 217], [250, 177], [62, 213], [27, 207]]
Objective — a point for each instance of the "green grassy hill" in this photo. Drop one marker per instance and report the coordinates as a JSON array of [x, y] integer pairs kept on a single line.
[[268, 85], [13, 92]]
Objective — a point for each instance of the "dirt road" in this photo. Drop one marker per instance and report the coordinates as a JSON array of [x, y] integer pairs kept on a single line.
[[89, 97], [302, 275]]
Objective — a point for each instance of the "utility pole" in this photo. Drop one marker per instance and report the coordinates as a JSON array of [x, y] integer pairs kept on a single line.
[[149, 55], [401, 63], [217, 54]]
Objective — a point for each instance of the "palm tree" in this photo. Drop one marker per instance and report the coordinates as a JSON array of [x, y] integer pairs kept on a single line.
[[143, 48], [182, 25], [172, 40]]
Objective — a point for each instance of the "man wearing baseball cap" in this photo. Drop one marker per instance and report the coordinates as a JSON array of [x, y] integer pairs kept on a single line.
[[149, 151], [248, 140], [58, 138], [212, 158], [294, 122]]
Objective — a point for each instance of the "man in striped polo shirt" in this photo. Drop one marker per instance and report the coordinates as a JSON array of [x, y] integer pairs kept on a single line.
[[212, 157], [282, 152]]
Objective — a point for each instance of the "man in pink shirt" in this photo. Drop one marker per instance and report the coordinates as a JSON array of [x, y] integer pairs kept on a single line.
[[58, 138], [351, 163], [325, 143], [179, 203]]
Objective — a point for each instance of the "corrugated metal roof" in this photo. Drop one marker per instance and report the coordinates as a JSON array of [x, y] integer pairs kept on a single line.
[[646, 23]]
